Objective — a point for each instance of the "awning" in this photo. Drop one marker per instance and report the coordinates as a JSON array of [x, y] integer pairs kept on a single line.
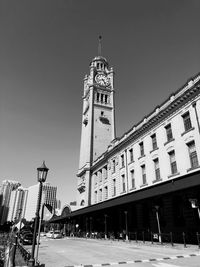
[[172, 185]]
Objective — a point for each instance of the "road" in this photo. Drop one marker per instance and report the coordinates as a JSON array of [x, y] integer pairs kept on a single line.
[[78, 252]]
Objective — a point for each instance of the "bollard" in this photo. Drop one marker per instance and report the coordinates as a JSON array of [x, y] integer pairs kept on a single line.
[[151, 238], [136, 237], [171, 239], [143, 236], [129, 237], [184, 240], [198, 241]]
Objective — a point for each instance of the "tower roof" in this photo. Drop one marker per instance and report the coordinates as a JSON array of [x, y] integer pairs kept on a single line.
[[100, 58]]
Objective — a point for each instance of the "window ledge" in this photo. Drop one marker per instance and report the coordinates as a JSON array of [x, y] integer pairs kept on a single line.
[[122, 167], [132, 188], [187, 131], [174, 174], [154, 149], [131, 162], [141, 157], [193, 168], [156, 181], [169, 141], [143, 185], [123, 192]]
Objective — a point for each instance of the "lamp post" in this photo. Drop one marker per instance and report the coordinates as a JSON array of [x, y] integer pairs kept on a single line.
[[90, 226], [42, 175], [39, 229], [105, 221], [126, 223], [158, 222]]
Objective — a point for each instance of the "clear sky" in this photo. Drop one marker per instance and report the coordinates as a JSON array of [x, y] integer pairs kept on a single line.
[[45, 50]]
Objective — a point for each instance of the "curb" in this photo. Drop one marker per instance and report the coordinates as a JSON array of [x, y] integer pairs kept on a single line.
[[134, 261]]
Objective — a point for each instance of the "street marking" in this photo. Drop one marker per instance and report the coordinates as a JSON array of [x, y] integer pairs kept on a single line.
[[159, 264], [165, 265]]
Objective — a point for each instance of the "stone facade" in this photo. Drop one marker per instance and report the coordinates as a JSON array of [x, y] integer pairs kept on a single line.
[[163, 146]]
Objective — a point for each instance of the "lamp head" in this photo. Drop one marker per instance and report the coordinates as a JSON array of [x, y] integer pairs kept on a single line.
[[194, 202], [42, 173]]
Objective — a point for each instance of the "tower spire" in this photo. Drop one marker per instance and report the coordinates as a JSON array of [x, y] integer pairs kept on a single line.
[[99, 46]]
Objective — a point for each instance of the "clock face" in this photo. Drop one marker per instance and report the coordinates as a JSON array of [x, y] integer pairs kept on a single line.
[[102, 79]]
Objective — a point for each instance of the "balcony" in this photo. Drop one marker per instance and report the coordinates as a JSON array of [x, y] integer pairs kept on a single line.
[[81, 187]]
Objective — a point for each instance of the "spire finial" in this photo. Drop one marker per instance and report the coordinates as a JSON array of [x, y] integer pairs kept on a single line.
[[99, 46]]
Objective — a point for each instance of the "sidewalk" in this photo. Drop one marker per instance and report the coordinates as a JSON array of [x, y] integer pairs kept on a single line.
[[74, 251], [177, 246]]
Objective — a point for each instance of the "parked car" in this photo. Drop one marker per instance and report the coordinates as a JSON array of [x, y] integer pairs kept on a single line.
[[26, 239], [54, 234], [43, 234], [23, 232], [50, 234], [57, 234]]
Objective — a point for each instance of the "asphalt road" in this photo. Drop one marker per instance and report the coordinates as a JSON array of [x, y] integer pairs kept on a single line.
[[78, 252]]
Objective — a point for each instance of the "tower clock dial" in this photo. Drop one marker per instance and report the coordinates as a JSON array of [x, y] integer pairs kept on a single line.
[[102, 79]]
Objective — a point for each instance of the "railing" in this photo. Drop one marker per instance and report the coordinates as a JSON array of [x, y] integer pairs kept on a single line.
[[146, 236], [165, 238], [27, 255], [6, 247]]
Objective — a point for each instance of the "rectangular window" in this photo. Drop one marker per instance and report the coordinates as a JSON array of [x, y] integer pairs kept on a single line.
[[141, 149], [95, 196], [123, 183], [100, 176], [113, 165], [100, 194], [106, 192], [154, 141], [106, 99], [144, 180], [187, 121], [97, 97], [95, 177], [105, 170], [157, 169], [131, 154], [173, 162], [193, 155], [122, 160], [132, 179], [114, 187], [169, 134]]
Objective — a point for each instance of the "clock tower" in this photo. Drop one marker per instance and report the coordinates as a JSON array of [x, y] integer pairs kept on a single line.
[[98, 122]]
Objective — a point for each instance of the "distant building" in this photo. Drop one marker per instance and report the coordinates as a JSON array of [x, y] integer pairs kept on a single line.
[[6, 189], [49, 197], [31, 202], [17, 204], [58, 204]]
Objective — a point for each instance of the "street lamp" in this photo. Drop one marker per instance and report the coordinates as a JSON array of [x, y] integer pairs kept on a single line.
[[158, 222], [195, 205], [41, 175]]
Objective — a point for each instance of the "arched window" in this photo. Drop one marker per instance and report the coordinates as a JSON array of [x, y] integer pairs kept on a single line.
[[83, 203]]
